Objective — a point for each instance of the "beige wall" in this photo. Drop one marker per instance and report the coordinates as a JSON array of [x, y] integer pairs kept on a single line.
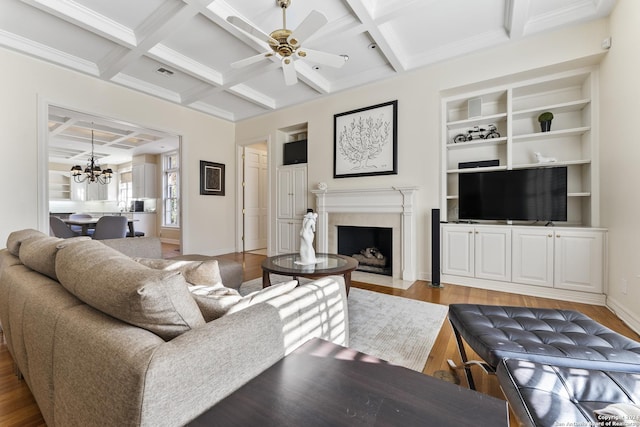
[[418, 94], [27, 84], [620, 160]]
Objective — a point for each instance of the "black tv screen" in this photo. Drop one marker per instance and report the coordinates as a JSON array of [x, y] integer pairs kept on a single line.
[[521, 195], [295, 152]]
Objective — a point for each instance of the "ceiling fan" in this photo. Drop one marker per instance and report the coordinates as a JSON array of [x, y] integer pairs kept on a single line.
[[286, 44]]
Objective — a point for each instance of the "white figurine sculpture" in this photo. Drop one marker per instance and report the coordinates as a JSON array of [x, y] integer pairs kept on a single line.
[[543, 159], [307, 253]]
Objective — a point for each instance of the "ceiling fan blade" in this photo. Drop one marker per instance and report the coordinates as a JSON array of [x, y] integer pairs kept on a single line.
[[312, 23], [323, 58], [251, 60], [289, 70], [248, 28]]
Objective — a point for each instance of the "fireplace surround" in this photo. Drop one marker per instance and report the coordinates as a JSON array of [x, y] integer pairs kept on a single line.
[[386, 207]]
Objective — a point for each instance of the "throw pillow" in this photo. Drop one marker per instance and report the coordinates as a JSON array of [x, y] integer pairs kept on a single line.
[[214, 301], [263, 295], [113, 283], [198, 273], [16, 238]]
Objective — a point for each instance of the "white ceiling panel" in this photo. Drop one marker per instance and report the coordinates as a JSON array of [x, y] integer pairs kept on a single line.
[[126, 41]]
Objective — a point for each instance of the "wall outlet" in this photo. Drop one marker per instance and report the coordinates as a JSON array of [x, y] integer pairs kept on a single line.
[[623, 286]]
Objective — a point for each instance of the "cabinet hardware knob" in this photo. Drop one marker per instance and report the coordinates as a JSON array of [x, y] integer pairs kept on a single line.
[[550, 235], [558, 236]]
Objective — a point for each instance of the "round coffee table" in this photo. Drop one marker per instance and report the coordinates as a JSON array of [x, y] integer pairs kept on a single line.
[[327, 265]]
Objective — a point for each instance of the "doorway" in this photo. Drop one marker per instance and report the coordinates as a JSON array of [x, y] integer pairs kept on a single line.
[[68, 137], [255, 198]]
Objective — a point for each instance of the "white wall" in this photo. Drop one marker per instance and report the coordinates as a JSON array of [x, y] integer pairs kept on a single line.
[[418, 94], [620, 158], [27, 84]]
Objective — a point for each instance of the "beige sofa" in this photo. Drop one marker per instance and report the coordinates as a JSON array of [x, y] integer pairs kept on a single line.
[[103, 340]]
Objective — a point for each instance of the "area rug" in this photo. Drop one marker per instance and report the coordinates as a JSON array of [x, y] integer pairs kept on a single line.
[[399, 330]]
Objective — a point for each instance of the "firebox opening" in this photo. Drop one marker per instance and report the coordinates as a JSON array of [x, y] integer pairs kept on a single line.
[[371, 246]]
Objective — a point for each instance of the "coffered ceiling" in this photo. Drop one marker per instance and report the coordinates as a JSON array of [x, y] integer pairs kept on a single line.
[[182, 50]]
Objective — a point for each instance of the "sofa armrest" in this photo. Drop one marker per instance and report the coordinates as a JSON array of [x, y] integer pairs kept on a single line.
[[194, 371], [141, 247]]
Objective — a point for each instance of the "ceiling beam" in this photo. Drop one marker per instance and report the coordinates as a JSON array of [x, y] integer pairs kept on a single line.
[[516, 17], [374, 31], [151, 32]]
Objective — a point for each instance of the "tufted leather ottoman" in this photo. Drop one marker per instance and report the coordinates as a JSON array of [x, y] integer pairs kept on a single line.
[[545, 395], [548, 336]]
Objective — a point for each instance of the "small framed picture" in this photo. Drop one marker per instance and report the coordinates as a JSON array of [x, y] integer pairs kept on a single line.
[[365, 141], [211, 178]]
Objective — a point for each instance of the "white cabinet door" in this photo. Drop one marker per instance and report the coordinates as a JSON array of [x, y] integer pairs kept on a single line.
[[288, 236], [299, 192], [292, 192], [285, 193], [579, 260], [493, 253], [143, 177], [458, 250], [532, 256]]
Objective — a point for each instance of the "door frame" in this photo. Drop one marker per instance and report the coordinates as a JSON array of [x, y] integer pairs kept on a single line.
[[42, 135], [240, 145]]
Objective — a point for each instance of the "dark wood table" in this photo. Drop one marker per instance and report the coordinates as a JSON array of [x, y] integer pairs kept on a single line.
[[87, 223], [327, 265], [323, 384]]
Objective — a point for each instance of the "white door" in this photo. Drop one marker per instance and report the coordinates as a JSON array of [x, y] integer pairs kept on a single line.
[[578, 260], [493, 253], [458, 250], [532, 256], [255, 199]]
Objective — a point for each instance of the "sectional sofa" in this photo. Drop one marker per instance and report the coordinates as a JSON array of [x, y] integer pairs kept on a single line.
[[102, 339]]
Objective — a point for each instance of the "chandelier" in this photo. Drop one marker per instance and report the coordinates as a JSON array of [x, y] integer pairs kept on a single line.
[[93, 172]]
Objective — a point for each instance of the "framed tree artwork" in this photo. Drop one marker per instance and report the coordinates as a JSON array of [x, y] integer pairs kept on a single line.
[[365, 141], [211, 178]]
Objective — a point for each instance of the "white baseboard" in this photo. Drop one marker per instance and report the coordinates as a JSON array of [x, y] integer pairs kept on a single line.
[[535, 291], [630, 319], [170, 241]]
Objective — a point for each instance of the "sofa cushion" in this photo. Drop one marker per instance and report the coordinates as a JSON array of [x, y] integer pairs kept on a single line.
[[214, 301], [39, 252], [263, 295], [113, 283], [196, 273], [16, 238]]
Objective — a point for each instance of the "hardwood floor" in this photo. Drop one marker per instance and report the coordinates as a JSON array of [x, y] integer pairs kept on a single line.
[[18, 408]]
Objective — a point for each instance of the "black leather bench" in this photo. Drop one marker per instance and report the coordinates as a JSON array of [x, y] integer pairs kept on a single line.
[[548, 336], [547, 395]]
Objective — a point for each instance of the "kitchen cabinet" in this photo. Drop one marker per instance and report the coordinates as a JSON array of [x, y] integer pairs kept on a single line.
[[144, 181]]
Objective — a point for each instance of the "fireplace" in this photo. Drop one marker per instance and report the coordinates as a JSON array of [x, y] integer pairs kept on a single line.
[[371, 246], [372, 207]]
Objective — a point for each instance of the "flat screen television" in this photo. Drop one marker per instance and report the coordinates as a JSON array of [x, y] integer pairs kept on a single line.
[[295, 152], [538, 194]]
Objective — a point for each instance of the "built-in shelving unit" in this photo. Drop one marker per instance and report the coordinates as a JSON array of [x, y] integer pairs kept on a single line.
[[59, 185], [514, 109]]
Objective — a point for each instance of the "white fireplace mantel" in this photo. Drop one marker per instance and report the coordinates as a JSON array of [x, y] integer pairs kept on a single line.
[[398, 200]]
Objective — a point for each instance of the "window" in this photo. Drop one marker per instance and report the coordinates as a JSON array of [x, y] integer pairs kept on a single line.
[[125, 190], [171, 179]]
